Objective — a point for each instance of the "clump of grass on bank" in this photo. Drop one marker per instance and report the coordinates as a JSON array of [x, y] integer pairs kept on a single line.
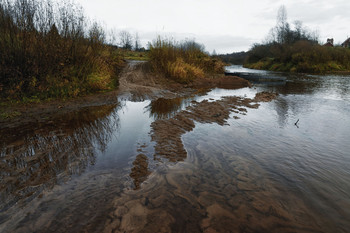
[[52, 51], [183, 62]]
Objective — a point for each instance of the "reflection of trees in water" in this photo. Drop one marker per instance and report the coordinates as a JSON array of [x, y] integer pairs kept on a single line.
[[166, 108], [61, 148], [298, 84], [339, 85]]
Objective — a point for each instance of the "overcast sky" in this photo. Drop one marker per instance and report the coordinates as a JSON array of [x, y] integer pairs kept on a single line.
[[224, 25]]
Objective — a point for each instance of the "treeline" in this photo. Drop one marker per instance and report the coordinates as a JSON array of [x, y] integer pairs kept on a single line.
[[49, 50], [234, 58], [302, 56], [296, 50], [182, 61]]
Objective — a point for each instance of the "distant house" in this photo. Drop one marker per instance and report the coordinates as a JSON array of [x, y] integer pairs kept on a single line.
[[346, 43], [329, 43]]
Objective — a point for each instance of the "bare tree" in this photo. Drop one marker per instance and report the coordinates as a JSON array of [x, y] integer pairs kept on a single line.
[[271, 36], [137, 45], [282, 26], [282, 16], [282, 33], [112, 36], [125, 40]]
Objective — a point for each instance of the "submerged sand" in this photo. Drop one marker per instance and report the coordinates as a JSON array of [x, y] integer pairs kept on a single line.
[[167, 133], [210, 190]]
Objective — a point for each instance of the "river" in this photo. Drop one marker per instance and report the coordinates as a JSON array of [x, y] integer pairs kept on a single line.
[[283, 167]]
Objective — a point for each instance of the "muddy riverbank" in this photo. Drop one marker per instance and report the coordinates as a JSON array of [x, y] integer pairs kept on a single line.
[[136, 83]]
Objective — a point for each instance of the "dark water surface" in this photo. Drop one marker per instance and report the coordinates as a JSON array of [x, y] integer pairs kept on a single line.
[[260, 173]]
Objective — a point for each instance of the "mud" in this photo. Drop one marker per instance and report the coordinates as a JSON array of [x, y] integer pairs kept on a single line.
[[167, 132], [226, 82], [139, 172], [265, 96]]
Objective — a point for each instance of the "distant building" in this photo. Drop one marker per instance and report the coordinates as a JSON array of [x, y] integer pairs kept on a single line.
[[346, 43], [329, 43]]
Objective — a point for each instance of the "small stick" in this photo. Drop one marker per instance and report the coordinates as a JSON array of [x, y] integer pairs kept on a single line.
[[296, 123]]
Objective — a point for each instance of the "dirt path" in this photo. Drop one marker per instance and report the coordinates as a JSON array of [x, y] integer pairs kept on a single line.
[[137, 84]]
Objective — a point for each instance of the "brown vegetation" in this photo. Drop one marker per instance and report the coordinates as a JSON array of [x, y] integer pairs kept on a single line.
[[183, 62], [49, 50], [302, 56]]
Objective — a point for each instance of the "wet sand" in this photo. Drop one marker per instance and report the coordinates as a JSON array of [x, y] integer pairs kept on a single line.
[[167, 133]]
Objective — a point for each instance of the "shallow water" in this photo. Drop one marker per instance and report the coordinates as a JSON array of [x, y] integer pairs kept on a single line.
[[260, 173]]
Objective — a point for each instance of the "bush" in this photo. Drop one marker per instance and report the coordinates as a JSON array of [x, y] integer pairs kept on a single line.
[[302, 56], [183, 61], [48, 50]]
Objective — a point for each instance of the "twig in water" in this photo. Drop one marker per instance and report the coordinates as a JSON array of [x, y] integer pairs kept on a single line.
[[296, 123]]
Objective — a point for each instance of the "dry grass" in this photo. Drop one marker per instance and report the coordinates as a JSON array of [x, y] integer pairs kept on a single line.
[[183, 62], [49, 50]]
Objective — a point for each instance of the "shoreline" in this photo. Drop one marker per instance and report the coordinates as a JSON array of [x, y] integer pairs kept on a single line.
[[135, 84], [335, 72]]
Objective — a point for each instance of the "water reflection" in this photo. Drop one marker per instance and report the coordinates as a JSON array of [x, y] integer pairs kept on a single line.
[[162, 108], [66, 146]]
